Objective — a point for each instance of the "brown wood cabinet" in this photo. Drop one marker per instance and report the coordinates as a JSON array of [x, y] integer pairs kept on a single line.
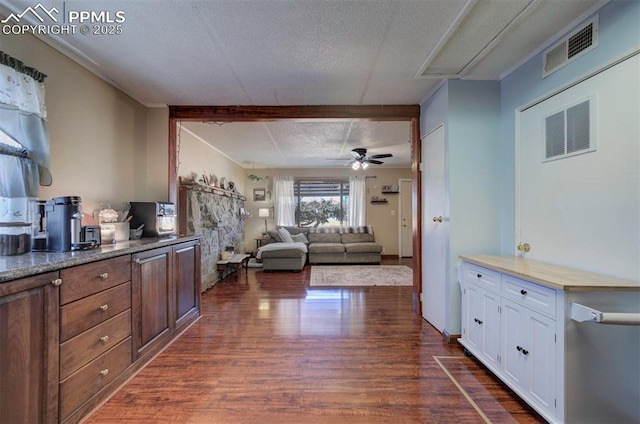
[[186, 274], [69, 338], [29, 350], [152, 298]]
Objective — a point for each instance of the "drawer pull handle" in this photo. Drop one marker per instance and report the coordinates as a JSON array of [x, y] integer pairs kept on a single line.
[[104, 276], [56, 282], [477, 321], [105, 371], [104, 307], [479, 275], [523, 292], [104, 339]]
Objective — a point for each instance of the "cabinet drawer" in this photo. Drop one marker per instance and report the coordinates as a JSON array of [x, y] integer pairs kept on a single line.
[[83, 314], [483, 277], [85, 280], [91, 378], [86, 346], [531, 295]]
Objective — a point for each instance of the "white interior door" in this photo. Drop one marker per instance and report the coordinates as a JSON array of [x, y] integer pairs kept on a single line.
[[434, 229], [579, 175], [406, 219]]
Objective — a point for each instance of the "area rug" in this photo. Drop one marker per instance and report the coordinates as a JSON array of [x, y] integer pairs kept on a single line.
[[361, 275]]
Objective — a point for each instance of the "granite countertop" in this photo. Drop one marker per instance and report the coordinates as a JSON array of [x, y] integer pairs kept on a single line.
[[553, 276], [19, 266]]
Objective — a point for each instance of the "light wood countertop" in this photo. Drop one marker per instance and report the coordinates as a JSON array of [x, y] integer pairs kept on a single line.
[[554, 276]]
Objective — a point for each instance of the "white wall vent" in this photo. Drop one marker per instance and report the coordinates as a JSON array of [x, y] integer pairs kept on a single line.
[[571, 131], [570, 47]]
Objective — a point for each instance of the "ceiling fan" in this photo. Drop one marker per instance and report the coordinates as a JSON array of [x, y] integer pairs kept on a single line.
[[361, 160]]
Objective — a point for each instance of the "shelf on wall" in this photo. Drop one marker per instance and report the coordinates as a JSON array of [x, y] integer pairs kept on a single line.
[[379, 201], [390, 192], [214, 190]]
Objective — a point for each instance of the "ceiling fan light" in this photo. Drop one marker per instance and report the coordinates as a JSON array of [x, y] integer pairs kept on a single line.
[[364, 165], [355, 165]]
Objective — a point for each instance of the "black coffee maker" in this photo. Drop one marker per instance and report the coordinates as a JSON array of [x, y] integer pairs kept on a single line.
[[64, 224]]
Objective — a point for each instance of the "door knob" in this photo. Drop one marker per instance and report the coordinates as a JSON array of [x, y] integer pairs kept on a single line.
[[437, 219]]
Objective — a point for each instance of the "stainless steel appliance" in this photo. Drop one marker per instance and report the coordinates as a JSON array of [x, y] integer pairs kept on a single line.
[[159, 218]]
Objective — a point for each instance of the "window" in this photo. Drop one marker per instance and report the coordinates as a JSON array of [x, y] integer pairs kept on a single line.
[[321, 203]]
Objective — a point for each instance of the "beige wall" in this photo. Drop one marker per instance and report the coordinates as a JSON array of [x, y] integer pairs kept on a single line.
[[199, 157], [98, 134], [383, 217]]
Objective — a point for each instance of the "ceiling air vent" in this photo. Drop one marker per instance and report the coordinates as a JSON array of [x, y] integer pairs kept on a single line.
[[571, 47]]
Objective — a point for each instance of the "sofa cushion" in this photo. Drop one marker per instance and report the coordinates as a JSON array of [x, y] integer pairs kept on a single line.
[[326, 247], [283, 253], [275, 235], [285, 236], [357, 238], [296, 230], [300, 237], [363, 248], [324, 238]]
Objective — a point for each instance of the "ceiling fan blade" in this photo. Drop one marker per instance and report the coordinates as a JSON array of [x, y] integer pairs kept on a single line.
[[359, 152], [376, 162], [380, 156]]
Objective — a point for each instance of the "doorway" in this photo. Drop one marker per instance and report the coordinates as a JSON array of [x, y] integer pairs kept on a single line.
[[409, 113]]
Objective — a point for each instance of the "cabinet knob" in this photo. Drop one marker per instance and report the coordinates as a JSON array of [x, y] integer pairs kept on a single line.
[[479, 275], [523, 292], [104, 339], [104, 307], [525, 351], [437, 219], [524, 247], [56, 282], [104, 275], [477, 321], [519, 349], [105, 371], [136, 260]]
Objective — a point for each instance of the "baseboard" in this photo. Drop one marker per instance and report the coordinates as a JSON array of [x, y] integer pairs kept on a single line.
[[450, 338]]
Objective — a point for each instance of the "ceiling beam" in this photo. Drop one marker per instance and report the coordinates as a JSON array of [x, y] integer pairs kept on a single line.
[[276, 113]]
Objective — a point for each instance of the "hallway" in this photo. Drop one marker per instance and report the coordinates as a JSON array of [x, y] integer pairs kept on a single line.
[[270, 349]]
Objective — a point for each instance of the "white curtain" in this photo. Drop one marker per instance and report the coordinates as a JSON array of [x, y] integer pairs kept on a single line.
[[357, 201], [23, 118], [284, 211]]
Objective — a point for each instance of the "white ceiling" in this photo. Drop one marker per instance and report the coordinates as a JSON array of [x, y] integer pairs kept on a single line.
[[305, 52]]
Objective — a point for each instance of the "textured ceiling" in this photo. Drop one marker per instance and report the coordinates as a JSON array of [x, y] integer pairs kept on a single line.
[[304, 52]]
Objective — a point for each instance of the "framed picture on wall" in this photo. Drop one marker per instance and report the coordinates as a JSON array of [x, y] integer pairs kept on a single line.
[[259, 194]]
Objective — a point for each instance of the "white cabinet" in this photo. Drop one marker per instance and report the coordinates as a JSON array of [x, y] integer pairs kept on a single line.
[[568, 371], [509, 325]]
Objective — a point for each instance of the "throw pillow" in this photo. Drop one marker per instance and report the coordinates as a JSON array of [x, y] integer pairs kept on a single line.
[[274, 234], [285, 235], [300, 238]]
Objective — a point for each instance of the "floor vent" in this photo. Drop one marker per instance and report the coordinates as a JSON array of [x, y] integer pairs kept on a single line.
[[571, 47]]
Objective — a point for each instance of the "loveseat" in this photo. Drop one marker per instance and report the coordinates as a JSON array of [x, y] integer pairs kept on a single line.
[[290, 247]]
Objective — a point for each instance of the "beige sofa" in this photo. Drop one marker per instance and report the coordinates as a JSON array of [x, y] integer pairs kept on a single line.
[[325, 245]]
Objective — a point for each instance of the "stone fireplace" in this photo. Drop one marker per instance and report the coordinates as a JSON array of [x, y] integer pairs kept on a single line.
[[216, 216]]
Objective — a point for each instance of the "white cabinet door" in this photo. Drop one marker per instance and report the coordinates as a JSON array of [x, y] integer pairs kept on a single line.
[[514, 361], [482, 324], [528, 356], [542, 357]]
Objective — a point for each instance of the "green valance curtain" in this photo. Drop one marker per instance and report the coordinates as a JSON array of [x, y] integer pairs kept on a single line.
[[23, 119]]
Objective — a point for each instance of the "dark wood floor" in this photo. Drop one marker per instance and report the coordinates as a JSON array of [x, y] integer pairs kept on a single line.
[[270, 349]]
